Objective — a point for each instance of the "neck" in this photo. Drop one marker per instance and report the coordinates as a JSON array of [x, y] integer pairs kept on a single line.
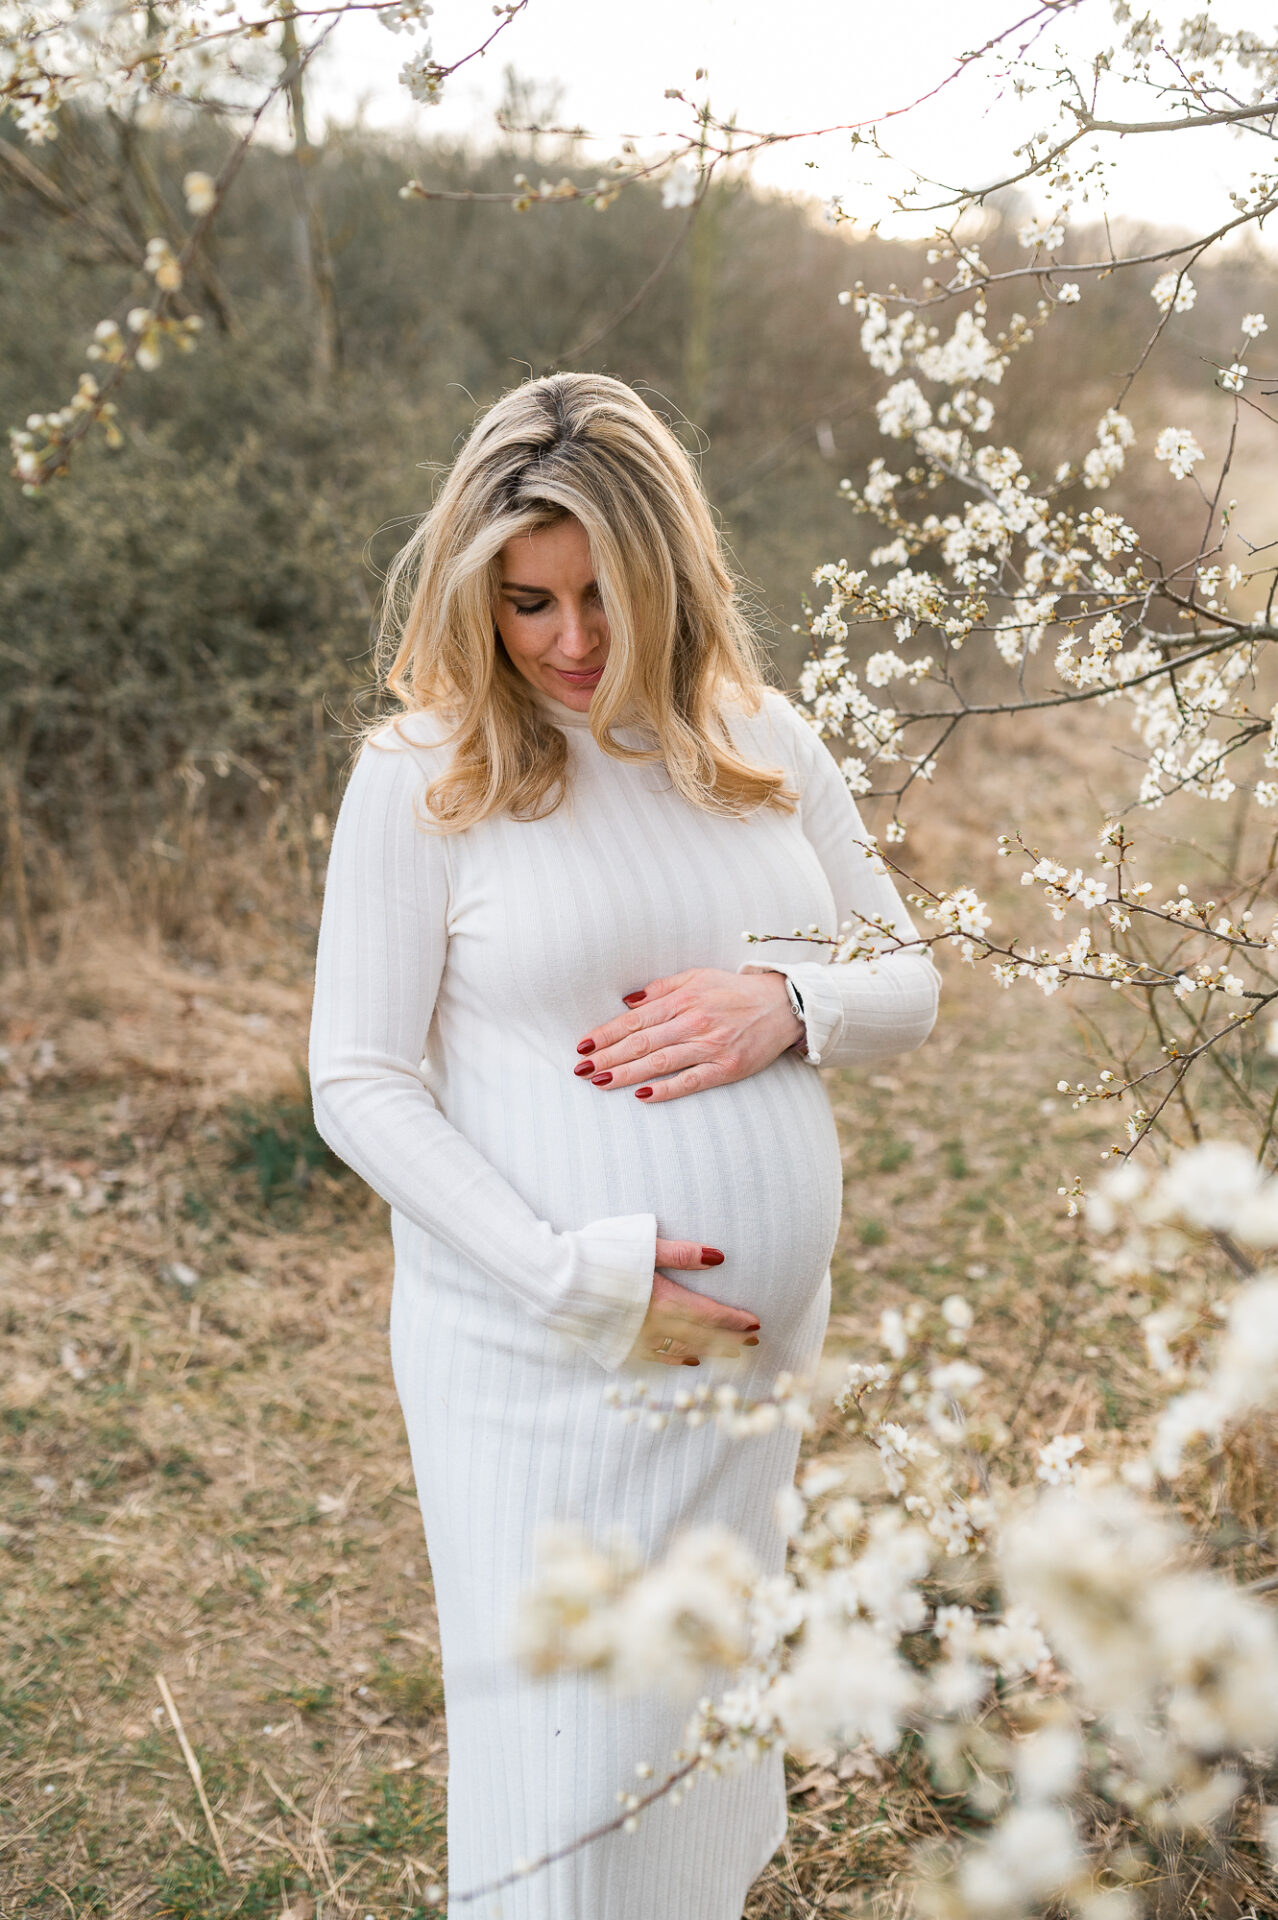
[[562, 715]]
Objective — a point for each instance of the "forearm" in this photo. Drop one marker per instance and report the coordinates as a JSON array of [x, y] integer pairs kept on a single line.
[[857, 1010], [862, 1010], [591, 1283], [382, 949]]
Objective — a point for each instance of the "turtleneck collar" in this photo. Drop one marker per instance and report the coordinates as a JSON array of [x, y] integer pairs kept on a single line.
[[563, 716]]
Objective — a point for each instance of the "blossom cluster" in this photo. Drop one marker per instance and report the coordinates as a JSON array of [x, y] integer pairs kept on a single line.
[[1216, 954], [230, 60], [1154, 1221], [975, 545], [1101, 1661], [108, 54]]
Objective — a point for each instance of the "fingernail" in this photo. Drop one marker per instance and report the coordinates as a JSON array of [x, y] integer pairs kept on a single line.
[[585, 1067], [751, 1342], [600, 1079], [585, 1046], [692, 1363], [711, 1257], [643, 1093], [633, 999]]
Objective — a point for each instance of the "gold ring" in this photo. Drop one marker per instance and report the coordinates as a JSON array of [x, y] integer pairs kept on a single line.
[[666, 1344]]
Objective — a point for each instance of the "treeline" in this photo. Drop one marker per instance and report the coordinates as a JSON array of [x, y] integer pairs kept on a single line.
[[184, 623]]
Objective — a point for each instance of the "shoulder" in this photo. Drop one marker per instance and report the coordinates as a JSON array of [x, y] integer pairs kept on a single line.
[[774, 729], [425, 735], [401, 753], [390, 771]]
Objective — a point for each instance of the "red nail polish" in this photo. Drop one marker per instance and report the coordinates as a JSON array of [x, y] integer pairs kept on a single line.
[[692, 1363], [584, 1067], [585, 1046], [711, 1257], [633, 999], [751, 1342], [600, 1079], [753, 1328], [643, 1093]]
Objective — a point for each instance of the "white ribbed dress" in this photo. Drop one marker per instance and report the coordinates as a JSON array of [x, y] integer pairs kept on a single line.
[[456, 974]]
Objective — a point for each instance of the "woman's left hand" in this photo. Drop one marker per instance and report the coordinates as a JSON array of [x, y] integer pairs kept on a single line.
[[704, 1028]]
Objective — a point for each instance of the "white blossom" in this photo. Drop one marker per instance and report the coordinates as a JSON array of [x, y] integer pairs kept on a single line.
[[199, 190], [962, 911], [404, 14], [845, 1683], [955, 1378], [1173, 292], [1114, 434], [1029, 1855], [957, 1313], [1046, 231], [423, 77], [1180, 449], [679, 188], [903, 410], [1055, 1460], [1047, 1763], [892, 1332], [1015, 1644]]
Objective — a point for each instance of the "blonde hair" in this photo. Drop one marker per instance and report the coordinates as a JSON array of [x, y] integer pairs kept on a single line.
[[586, 446]]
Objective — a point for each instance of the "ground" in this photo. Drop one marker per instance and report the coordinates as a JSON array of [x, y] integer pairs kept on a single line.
[[206, 1489]]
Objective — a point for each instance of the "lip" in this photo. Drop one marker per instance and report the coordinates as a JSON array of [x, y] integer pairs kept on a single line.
[[580, 679]]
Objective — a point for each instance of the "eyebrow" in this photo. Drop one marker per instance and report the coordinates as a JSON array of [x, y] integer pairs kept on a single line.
[[517, 586]]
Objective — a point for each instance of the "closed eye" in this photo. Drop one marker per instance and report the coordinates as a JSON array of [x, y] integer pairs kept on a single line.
[[531, 606]]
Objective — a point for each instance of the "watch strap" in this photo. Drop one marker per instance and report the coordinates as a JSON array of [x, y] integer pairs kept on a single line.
[[795, 998]]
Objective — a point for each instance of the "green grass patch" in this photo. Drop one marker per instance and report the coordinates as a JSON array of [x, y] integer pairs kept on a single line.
[[404, 1814], [193, 1886], [279, 1145], [955, 1160], [415, 1693], [307, 1699]]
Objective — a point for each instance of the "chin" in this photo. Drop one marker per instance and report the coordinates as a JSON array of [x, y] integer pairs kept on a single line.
[[567, 693]]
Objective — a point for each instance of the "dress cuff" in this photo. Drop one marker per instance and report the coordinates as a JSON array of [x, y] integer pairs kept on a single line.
[[610, 1285], [822, 1005]]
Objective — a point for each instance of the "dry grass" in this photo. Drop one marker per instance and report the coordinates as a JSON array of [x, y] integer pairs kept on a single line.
[[205, 1476]]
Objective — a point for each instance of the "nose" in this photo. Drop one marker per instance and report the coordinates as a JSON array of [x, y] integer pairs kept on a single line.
[[579, 636]]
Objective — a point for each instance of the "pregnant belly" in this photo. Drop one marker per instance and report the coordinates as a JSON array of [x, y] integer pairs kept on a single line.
[[753, 1169]]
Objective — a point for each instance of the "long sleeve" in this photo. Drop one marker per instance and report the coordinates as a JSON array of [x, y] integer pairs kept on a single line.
[[856, 1010], [382, 949]]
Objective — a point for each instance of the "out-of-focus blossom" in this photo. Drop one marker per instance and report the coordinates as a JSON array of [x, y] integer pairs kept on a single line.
[[679, 188]]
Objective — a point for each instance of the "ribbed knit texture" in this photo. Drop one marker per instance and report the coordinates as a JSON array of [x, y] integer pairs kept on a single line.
[[456, 974]]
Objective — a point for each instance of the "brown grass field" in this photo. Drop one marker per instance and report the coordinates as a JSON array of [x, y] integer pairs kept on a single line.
[[204, 1473]]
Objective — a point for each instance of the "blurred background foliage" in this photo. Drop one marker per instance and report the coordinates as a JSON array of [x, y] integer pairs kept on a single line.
[[184, 623]]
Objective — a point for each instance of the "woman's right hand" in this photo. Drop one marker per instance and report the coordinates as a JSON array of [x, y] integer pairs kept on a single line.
[[694, 1325]]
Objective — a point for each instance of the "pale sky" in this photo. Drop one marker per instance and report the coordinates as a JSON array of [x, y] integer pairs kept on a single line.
[[783, 68]]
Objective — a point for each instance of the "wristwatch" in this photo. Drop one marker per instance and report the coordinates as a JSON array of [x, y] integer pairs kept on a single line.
[[795, 998]]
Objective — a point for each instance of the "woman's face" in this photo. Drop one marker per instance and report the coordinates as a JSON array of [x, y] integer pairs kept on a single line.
[[549, 614]]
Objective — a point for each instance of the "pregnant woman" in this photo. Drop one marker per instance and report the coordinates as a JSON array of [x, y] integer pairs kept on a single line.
[[535, 1036]]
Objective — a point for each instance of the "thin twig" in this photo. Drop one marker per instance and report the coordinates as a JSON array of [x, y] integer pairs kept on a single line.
[[193, 1768], [574, 1846], [640, 295]]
